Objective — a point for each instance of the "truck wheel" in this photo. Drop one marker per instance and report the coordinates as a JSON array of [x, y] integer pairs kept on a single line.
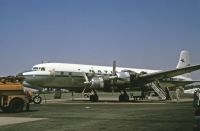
[[37, 99], [5, 109], [123, 98], [16, 105]]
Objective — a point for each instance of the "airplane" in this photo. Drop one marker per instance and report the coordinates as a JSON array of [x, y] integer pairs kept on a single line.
[[76, 77]]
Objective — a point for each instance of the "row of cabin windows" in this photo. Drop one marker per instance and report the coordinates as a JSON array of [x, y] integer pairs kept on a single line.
[[99, 71], [74, 73], [92, 71]]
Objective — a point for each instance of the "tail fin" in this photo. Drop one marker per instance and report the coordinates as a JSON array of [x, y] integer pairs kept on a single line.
[[184, 61]]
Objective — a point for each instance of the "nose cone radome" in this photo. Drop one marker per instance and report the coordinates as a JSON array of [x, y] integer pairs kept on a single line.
[[20, 77]]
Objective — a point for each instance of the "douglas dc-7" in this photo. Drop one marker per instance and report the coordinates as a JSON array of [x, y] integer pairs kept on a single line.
[[80, 77]]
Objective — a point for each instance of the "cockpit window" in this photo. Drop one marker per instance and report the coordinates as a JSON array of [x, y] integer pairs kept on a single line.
[[35, 68], [42, 69], [39, 68]]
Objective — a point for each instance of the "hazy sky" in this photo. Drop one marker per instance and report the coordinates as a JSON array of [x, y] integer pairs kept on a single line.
[[135, 33]]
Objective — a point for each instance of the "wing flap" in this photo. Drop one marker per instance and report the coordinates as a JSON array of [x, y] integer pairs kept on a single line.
[[175, 83]]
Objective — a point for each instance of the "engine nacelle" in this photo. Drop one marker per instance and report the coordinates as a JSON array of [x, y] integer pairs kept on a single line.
[[123, 75], [97, 82]]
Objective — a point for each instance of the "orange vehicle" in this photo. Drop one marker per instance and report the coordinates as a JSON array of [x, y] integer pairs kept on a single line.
[[12, 96]]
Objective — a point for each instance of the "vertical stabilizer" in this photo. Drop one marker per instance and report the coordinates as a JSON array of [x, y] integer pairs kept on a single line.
[[184, 60]]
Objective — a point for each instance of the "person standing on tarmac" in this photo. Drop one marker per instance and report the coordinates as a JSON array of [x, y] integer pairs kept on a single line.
[[177, 94], [196, 99], [29, 95], [167, 94]]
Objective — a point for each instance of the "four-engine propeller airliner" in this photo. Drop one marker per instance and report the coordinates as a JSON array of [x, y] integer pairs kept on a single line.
[[78, 77]]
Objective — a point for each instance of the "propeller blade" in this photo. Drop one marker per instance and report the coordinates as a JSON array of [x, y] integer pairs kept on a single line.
[[86, 78], [114, 68], [113, 75]]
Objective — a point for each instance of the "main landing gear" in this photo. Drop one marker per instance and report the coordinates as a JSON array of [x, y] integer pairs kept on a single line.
[[94, 97], [123, 97]]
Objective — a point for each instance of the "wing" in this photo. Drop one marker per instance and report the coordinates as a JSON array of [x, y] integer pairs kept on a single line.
[[168, 74], [175, 83]]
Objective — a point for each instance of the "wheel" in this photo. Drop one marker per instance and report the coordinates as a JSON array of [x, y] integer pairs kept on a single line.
[[5, 109], [126, 98], [37, 99], [16, 105], [123, 98], [94, 98]]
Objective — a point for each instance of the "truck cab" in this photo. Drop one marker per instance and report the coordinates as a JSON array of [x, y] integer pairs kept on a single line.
[[12, 96]]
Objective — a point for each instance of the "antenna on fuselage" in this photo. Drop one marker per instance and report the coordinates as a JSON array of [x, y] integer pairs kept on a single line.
[[45, 61]]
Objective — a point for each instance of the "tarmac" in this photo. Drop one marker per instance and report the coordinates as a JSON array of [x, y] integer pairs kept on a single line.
[[79, 115], [17, 120]]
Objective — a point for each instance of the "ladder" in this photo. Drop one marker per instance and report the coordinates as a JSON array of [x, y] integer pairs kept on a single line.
[[158, 90]]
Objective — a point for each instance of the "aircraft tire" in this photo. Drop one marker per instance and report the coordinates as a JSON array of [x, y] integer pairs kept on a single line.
[[123, 98], [5, 109], [94, 98], [37, 99], [126, 98]]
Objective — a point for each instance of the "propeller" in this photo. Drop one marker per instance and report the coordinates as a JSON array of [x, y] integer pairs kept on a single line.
[[86, 83], [125, 77], [95, 82], [114, 74]]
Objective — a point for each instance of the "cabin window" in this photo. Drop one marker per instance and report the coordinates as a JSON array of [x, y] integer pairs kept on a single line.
[[92, 71], [61, 73], [99, 71], [106, 71]]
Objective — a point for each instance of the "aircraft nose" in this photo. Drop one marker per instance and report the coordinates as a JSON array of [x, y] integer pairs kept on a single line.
[[20, 76]]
